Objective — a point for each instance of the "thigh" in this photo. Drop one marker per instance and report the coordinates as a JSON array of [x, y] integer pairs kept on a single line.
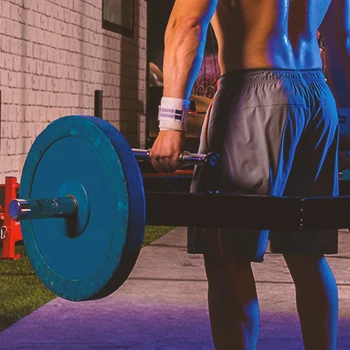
[[314, 173]]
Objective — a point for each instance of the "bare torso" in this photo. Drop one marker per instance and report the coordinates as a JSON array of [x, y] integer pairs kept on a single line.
[[268, 33]]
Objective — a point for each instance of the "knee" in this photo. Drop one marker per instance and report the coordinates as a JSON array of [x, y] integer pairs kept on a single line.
[[303, 261], [226, 274], [219, 265], [301, 266], [308, 269]]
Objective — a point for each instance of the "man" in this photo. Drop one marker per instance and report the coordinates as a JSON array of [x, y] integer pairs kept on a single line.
[[274, 123]]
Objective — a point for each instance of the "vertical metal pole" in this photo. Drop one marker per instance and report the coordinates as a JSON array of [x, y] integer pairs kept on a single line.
[[98, 104]]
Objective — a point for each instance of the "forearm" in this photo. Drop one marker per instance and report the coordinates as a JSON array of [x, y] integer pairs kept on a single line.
[[183, 55], [338, 69], [335, 30], [185, 40]]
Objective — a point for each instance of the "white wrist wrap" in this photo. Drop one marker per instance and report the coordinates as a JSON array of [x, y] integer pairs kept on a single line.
[[172, 114], [344, 120]]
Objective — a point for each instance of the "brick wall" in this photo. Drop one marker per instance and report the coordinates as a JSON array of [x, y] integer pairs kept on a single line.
[[53, 55]]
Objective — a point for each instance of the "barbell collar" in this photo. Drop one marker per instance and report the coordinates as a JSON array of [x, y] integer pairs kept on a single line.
[[186, 158], [210, 159], [141, 154], [21, 209]]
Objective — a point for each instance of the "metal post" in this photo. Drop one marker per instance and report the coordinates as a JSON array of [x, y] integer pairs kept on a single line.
[[98, 106]]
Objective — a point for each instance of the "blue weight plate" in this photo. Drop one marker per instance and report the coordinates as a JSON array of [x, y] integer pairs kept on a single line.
[[90, 256]]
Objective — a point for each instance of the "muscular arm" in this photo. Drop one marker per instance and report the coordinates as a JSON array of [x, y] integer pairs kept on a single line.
[[185, 39], [335, 30]]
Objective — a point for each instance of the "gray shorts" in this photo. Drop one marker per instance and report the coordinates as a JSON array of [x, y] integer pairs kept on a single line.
[[277, 134]]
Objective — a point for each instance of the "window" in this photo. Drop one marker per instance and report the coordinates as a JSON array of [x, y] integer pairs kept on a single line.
[[118, 16]]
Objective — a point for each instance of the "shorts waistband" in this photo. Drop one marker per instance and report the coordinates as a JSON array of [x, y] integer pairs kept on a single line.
[[273, 75]]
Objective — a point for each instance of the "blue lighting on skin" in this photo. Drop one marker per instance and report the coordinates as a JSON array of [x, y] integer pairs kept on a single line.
[[251, 327]]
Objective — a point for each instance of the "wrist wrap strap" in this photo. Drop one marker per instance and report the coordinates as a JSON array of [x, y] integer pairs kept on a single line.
[[172, 114]]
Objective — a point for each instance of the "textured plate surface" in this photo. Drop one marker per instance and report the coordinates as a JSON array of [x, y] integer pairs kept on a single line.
[[88, 158]]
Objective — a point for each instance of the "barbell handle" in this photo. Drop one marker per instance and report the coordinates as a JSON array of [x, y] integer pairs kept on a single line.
[[22, 209], [186, 158]]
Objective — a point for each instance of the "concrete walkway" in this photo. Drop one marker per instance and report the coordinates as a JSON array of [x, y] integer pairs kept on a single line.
[[163, 306]]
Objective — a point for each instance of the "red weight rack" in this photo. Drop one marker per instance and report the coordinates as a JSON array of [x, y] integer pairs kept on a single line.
[[10, 230]]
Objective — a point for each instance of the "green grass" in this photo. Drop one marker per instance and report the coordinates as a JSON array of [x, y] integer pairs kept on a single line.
[[154, 232], [21, 292]]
